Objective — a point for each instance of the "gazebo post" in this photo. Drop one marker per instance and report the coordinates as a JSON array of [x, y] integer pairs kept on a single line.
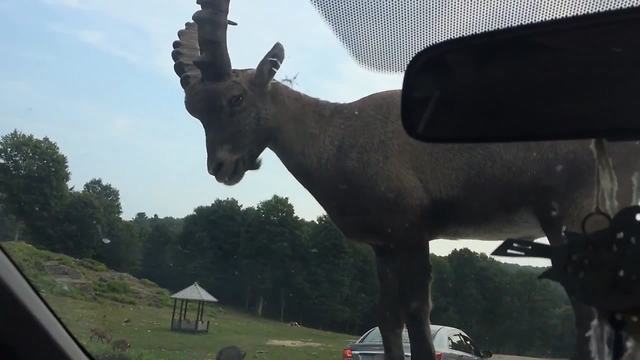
[[200, 313], [180, 314], [173, 314], [186, 305]]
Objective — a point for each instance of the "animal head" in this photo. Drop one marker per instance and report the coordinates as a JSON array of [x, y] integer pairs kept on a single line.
[[232, 105], [231, 353]]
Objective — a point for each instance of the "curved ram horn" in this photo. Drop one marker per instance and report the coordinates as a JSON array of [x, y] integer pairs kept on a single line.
[[185, 51], [213, 62]]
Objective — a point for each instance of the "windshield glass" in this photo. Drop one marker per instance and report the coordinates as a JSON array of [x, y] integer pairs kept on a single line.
[[172, 190], [375, 337]]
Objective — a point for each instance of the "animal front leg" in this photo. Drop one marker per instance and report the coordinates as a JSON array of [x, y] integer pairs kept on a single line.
[[390, 313], [415, 275]]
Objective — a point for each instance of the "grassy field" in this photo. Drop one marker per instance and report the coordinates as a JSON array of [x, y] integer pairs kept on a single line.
[[150, 338], [85, 294]]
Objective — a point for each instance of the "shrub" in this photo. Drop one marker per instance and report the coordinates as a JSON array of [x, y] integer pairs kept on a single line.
[[118, 287]]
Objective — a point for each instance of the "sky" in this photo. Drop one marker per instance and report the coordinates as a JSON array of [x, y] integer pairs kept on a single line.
[[96, 77]]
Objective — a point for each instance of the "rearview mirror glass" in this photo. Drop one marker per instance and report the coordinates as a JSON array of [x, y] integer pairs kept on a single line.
[[572, 78]]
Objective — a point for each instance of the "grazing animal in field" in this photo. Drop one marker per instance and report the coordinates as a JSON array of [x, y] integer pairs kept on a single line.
[[100, 335], [231, 353], [377, 184], [120, 345], [294, 324]]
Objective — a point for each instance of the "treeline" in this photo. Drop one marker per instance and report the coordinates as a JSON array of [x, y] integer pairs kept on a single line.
[[504, 307], [37, 205], [266, 259]]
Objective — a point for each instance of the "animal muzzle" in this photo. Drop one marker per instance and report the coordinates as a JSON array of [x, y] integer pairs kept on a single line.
[[229, 170]]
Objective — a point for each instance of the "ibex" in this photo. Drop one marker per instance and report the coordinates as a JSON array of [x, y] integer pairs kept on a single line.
[[99, 334], [377, 184], [120, 345]]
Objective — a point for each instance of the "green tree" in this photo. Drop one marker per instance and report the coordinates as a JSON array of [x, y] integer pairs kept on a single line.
[[504, 307], [209, 249], [121, 249], [120, 246], [273, 241], [159, 253], [363, 293], [142, 226], [75, 230], [469, 298], [8, 224], [329, 272], [107, 195], [33, 182], [442, 290]]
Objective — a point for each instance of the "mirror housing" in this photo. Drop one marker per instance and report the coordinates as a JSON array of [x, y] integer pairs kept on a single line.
[[572, 78]]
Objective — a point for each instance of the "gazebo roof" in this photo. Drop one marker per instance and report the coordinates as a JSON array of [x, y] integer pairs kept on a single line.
[[194, 292]]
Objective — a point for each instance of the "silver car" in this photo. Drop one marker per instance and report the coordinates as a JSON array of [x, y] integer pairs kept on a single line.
[[449, 343]]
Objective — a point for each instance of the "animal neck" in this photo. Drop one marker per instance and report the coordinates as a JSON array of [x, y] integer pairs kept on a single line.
[[305, 132]]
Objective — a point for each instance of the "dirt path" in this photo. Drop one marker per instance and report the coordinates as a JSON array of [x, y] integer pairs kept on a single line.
[[292, 343]]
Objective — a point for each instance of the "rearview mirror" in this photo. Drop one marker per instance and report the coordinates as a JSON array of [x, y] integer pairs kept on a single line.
[[572, 78]]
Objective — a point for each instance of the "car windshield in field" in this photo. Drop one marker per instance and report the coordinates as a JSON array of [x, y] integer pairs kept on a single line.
[[176, 190]]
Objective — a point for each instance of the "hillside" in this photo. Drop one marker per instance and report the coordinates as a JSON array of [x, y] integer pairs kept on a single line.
[[82, 279], [85, 294]]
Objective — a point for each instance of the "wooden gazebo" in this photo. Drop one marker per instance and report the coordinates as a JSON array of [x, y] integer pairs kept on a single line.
[[181, 322]]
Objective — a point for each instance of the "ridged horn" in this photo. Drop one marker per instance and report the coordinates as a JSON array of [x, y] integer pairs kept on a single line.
[[211, 20], [185, 51]]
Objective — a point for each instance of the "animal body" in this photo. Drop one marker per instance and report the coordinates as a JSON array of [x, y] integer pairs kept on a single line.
[[377, 184], [120, 345], [99, 335]]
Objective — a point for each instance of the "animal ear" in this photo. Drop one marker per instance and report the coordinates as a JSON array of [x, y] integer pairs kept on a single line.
[[269, 65]]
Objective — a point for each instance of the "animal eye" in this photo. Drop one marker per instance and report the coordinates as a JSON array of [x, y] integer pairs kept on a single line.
[[236, 100]]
